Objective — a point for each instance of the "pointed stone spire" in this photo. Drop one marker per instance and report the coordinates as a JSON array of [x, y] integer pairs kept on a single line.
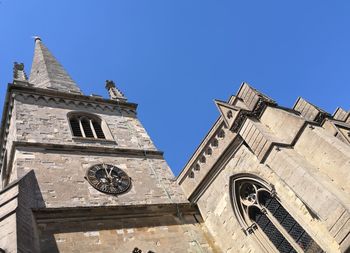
[[48, 73], [18, 72], [114, 92]]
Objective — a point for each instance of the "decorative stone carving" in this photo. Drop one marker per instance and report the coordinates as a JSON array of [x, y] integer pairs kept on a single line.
[[18, 72], [114, 92]]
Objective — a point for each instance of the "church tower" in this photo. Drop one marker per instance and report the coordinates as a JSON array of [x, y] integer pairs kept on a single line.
[[80, 174]]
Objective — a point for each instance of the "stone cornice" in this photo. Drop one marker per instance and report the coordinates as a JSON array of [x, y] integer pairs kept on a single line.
[[207, 139], [25, 89], [44, 215], [220, 163], [141, 153], [90, 149]]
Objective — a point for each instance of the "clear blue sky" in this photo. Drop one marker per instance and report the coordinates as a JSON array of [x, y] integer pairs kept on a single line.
[[174, 57]]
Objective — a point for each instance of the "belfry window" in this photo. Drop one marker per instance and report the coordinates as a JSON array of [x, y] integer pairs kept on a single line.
[[86, 126], [261, 215]]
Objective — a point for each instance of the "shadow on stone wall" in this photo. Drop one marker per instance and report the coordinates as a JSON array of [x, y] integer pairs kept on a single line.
[[30, 198], [114, 234]]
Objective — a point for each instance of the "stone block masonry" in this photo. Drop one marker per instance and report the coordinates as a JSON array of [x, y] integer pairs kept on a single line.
[[166, 233]]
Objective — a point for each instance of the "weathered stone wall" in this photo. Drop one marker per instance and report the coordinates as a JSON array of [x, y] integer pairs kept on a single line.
[[8, 231], [61, 174], [61, 180], [217, 212], [323, 198], [157, 234], [39, 120], [17, 224], [29, 197], [327, 153], [216, 209], [307, 165]]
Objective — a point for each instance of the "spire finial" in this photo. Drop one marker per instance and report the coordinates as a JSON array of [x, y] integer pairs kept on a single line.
[[114, 92], [36, 38]]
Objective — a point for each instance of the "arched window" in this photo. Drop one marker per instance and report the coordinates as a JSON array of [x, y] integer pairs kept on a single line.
[[87, 126], [261, 214]]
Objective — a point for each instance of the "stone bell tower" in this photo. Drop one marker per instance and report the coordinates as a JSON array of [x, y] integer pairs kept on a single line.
[[80, 173]]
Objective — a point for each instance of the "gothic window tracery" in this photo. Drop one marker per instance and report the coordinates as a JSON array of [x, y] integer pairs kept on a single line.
[[87, 126], [261, 215]]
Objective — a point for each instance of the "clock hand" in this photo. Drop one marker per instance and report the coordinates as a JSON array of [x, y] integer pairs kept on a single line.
[[105, 168], [110, 172]]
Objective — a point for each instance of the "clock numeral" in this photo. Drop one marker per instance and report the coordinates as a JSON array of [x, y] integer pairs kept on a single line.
[[99, 184], [113, 189], [94, 181], [95, 168], [104, 187]]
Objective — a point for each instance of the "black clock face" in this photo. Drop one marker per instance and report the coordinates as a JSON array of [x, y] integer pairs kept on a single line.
[[108, 179]]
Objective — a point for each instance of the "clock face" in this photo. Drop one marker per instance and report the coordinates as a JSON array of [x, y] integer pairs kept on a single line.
[[108, 179]]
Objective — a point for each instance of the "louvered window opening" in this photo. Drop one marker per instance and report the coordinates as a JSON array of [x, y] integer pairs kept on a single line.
[[257, 205], [74, 123], [98, 130], [86, 127]]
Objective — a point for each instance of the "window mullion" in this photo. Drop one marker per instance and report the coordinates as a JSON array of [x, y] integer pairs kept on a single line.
[[81, 128], [283, 231], [93, 129]]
